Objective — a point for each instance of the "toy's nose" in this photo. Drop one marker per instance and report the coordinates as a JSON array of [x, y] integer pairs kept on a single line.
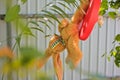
[[90, 19]]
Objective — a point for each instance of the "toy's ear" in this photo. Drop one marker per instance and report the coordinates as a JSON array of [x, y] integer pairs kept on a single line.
[[64, 23]]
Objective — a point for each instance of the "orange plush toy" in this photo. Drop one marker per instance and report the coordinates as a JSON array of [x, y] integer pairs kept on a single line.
[[69, 39]]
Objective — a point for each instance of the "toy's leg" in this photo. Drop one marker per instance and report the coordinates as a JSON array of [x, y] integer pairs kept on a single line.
[[80, 12], [58, 66], [44, 59], [74, 53]]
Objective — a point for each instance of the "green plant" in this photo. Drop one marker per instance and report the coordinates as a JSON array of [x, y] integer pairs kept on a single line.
[[115, 52], [114, 5]]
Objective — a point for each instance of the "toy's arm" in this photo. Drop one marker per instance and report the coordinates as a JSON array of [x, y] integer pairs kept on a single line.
[[74, 53], [80, 12]]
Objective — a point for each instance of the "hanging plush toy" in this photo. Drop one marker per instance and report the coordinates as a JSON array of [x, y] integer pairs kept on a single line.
[[69, 39]]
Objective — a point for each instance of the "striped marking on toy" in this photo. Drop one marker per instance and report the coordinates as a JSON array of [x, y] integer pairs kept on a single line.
[[60, 40]]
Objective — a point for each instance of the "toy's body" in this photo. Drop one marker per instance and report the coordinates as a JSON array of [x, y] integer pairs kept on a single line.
[[69, 39]]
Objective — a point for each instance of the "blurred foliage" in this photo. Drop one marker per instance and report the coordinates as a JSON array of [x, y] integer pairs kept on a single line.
[[115, 4], [42, 76], [12, 11], [28, 54], [104, 7], [110, 7], [27, 60], [115, 51], [24, 1], [70, 1]]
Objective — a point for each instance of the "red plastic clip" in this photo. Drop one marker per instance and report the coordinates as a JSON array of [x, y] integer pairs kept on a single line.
[[89, 20]]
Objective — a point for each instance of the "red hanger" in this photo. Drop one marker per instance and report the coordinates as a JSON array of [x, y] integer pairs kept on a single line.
[[89, 20]]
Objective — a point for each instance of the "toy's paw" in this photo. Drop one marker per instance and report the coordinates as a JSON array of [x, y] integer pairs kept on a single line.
[[70, 63], [73, 61]]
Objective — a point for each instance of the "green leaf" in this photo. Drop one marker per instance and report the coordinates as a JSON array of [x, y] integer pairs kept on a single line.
[[25, 29], [70, 1], [50, 15], [112, 15], [63, 4], [115, 4], [51, 22], [117, 62], [28, 54], [43, 22], [18, 40], [62, 11], [117, 38], [102, 12], [103, 7], [76, 5], [117, 56], [33, 22], [39, 29], [58, 13], [47, 20], [12, 13], [24, 1], [117, 48], [113, 53]]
